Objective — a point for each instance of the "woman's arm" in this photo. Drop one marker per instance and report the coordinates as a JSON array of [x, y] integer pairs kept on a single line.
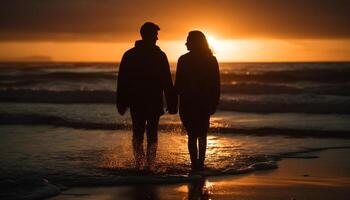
[[215, 86], [180, 76]]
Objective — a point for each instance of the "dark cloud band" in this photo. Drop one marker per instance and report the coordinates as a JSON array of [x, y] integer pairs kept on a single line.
[[118, 20]]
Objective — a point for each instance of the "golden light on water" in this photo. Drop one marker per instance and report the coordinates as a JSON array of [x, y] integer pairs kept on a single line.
[[172, 151]]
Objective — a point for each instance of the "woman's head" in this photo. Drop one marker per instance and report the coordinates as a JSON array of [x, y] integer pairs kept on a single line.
[[197, 42]]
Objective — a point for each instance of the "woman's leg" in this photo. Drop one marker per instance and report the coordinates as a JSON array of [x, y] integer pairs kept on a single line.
[[202, 140], [189, 120], [202, 143], [192, 148]]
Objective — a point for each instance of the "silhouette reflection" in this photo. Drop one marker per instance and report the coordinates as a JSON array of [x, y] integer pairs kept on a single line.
[[199, 190], [147, 192]]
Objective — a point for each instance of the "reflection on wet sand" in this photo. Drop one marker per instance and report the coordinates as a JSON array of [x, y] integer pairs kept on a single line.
[[199, 190], [149, 192]]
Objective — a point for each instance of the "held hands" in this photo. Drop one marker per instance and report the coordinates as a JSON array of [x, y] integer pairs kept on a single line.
[[121, 110], [212, 109], [172, 111], [172, 103]]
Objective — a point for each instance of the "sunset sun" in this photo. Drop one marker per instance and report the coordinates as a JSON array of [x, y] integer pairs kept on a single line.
[[214, 43]]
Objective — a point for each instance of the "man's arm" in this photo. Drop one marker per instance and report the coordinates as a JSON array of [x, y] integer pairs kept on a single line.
[[122, 96], [169, 90]]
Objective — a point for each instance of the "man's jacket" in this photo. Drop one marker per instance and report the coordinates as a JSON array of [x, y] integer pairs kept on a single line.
[[143, 77]]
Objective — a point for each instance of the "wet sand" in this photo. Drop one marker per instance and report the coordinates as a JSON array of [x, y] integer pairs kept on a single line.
[[325, 177]]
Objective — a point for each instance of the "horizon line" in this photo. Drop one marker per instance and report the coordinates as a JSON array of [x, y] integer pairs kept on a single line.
[[308, 61]]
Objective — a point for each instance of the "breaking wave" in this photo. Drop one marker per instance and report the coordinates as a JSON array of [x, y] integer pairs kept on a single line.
[[298, 103], [51, 120]]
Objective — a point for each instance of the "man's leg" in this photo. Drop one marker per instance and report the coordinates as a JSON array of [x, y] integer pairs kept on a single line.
[[138, 128], [152, 140]]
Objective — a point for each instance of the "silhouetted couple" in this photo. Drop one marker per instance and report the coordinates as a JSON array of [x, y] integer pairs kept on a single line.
[[144, 78]]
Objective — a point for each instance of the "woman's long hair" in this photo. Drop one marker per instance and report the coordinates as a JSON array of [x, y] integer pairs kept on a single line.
[[197, 42]]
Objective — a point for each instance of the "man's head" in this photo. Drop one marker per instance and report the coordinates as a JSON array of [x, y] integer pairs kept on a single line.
[[149, 32]]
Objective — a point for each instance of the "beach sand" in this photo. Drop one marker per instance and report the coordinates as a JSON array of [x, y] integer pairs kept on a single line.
[[325, 177]]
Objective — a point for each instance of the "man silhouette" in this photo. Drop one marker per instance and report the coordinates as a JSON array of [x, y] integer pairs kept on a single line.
[[144, 76]]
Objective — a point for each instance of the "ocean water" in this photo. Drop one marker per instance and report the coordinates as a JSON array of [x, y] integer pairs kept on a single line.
[[58, 121]]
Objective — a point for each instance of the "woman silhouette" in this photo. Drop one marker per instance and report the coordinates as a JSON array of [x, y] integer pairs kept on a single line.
[[198, 85]]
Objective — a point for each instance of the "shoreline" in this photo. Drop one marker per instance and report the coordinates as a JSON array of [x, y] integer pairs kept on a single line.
[[313, 175]]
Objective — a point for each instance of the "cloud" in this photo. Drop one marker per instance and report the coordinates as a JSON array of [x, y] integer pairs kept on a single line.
[[119, 20]]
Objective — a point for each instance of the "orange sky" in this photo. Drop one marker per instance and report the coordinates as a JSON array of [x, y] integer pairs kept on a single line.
[[243, 50], [249, 30]]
